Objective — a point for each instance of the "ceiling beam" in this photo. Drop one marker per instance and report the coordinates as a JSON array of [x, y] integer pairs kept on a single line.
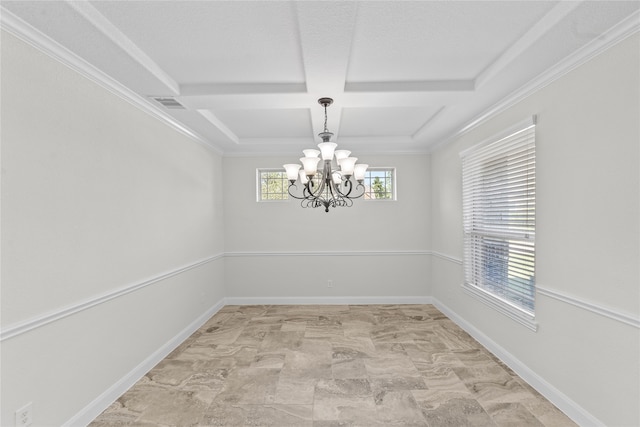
[[241, 88], [539, 30], [106, 27], [257, 101], [415, 86], [220, 126], [326, 34]]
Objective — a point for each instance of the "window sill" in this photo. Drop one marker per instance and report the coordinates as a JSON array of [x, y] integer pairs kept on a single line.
[[502, 306]]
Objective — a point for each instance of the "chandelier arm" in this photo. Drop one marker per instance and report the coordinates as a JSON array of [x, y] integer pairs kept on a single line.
[[362, 193], [308, 190], [348, 186], [293, 195], [333, 190]]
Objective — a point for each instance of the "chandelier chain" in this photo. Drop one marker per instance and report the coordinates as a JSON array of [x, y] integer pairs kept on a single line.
[[325, 118]]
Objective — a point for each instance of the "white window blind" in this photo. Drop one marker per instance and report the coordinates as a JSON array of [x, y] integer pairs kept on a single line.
[[499, 191]]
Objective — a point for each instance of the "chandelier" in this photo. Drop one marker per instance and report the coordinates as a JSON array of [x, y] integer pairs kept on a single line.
[[332, 187]]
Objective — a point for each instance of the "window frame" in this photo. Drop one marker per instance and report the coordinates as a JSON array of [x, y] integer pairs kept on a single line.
[[471, 273], [394, 180]]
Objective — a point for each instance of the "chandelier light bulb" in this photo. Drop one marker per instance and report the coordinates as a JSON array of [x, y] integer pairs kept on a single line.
[[347, 165], [310, 165], [327, 149], [359, 171], [292, 171]]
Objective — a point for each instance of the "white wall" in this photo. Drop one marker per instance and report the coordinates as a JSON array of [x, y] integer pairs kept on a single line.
[[587, 242], [266, 242], [97, 197]]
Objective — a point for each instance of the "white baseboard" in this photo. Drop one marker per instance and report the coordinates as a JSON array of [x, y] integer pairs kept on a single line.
[[326, 300], [555, 396], [102, 402]]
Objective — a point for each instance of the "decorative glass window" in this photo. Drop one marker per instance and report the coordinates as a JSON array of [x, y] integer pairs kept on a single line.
[[498, 198], [380, 184], [272, 185]]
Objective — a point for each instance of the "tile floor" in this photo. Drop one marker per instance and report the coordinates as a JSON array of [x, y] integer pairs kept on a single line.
[[320, 366]]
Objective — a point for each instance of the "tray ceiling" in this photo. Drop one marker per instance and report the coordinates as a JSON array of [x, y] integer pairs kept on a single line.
[[405, 75]]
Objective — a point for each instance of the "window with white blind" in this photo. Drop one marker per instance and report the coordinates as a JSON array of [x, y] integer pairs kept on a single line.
[[499, 193]]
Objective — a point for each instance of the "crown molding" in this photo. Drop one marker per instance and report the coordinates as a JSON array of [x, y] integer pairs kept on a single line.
[[28, 34], [615, 35], [106, 27]]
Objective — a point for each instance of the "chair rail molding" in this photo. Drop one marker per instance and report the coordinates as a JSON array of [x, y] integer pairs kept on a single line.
[[325, 253], [52, 316], [610, 313]]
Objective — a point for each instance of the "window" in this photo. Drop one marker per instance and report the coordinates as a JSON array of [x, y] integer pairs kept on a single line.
[[498, 191], [273, 184], [379, 184]]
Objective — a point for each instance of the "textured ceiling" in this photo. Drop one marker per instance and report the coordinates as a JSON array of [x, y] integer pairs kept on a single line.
[[405, 75]]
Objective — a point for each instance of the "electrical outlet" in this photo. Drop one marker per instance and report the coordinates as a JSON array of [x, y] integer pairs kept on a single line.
[[24, 416], [329, 283]]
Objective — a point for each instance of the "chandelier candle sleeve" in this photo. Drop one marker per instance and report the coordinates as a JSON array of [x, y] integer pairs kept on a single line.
[[333, 188]]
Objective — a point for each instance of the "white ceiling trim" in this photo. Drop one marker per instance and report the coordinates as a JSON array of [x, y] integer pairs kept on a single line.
[[255, 101], [416, 86], [214, 120], [98, 20], [541, 27], [25, 32], [615, 35], [242, 89], [424, 128]]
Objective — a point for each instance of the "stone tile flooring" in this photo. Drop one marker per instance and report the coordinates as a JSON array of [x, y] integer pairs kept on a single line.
[[321, 366]]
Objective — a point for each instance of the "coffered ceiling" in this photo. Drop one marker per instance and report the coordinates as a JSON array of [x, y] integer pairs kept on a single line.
[[244, 76]]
